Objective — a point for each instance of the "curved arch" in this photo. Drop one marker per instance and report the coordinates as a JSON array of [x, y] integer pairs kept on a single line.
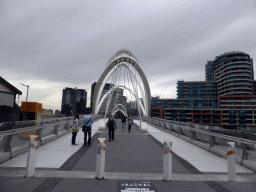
[[116, 55], [116, 108], [122, 56], [113, 89], [134, 76]]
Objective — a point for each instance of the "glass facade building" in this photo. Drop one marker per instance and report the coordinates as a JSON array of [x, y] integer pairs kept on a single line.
[[73, 99]]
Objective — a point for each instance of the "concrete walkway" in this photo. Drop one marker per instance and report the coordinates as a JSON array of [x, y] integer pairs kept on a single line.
[[132, 159], [203, 160]]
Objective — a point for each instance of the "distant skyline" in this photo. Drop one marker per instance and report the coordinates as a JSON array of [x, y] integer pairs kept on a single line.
[[50, 45]]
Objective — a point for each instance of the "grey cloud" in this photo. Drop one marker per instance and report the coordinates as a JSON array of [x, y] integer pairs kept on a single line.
[[71, 41]]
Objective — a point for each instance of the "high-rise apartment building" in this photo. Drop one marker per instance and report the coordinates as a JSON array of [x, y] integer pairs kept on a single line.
[[233, 73], [226, 98], [197, 94], [73, 99]]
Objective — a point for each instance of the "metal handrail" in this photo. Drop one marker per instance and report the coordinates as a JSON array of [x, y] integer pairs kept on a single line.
[[41, 126], [17, 131], [237, 139], [223, 136]]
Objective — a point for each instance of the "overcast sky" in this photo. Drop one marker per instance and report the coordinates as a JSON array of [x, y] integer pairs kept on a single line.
[[53, 44]]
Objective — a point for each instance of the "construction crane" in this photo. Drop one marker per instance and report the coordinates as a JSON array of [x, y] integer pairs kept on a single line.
[[162, 91]]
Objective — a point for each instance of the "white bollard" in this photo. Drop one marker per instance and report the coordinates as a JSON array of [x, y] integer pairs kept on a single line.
[[31, 159], [100, 161], [102, 124], [231, 161], [143, 126], [167, 166]]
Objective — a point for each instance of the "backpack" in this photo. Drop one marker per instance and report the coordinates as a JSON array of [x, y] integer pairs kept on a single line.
[[111, 123]]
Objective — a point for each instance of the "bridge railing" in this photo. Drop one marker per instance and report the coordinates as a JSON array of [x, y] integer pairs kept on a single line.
[[212, 139], [15, 139]]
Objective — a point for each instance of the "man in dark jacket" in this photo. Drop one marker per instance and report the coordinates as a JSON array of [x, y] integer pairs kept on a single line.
[[111, 124]]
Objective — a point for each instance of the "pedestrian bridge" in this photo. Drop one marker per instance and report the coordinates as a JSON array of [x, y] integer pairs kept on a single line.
[[199, 158], [134, 161]]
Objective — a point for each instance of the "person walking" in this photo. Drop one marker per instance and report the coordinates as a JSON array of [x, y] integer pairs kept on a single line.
[[87, 127], [111, 124], [123, 119], [75, 128], [130, 122]]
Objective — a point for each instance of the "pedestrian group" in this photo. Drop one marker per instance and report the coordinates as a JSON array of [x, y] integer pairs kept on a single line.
[[87, 127]]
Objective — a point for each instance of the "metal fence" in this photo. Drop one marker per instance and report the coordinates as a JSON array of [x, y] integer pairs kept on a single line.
[[15, 139], [212, 139]]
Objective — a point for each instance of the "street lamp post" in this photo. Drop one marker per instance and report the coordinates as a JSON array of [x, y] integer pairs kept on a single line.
[[27, 90]]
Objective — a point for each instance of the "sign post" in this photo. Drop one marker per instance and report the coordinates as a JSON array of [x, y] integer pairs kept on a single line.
[[100, 161], [231, 161], [167, 166], [31, 159]]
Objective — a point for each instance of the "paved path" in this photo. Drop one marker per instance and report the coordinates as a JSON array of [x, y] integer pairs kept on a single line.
[[131, 158], [200, 158]]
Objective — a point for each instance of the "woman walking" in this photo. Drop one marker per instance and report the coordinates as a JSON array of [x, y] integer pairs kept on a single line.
[[130, 122], [123, 120], [75, 128]]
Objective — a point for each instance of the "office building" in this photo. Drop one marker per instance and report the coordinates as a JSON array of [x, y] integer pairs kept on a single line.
[[73, 99], [106, 88]]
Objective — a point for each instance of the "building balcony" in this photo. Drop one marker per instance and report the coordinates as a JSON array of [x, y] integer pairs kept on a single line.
[[232, 67]]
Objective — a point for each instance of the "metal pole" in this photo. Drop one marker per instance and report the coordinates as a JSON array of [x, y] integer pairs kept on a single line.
[[27, 93]]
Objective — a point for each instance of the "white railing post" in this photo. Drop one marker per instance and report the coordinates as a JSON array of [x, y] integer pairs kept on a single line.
[[100, 161], [31, 158], [167, 166], [231, 161]]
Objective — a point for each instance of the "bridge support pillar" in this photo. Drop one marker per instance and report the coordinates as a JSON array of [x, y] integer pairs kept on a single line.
[[100, 161], [31, 159], [167, 166], [231, 161]]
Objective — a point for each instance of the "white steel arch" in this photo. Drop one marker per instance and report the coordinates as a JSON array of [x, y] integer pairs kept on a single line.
[[119, 107], [112, 90], [119, 110], [124, 58]]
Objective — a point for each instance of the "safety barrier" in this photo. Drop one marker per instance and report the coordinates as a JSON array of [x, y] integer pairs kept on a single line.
[[15, 139], [212, 139]]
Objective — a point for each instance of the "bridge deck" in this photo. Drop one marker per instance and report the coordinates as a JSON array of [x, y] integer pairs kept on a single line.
[[131, 156]]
